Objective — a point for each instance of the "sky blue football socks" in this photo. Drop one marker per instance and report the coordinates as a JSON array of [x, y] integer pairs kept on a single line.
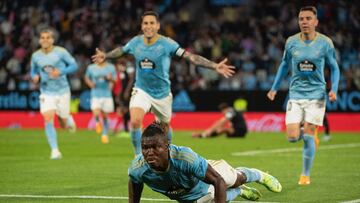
[[308, 153], [51, 135], [232, 193], [136, 139], [252, 175], [105, 128]]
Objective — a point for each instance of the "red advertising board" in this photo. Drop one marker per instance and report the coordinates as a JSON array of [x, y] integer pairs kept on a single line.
[[256, 121]]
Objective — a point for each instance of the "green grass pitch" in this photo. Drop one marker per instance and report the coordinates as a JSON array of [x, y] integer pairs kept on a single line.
[[90, 168]]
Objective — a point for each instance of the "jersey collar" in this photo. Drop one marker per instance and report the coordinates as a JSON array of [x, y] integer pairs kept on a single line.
[[312, 42]]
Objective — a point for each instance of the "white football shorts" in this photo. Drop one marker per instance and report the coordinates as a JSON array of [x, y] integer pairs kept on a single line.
[[105, 104], [162, 108], [227, 172], [59, 103], [311, 111]]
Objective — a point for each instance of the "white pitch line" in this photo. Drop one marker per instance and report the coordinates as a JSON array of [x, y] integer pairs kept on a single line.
[[95, 197], [352, 201], [77, 197], [257, 152]]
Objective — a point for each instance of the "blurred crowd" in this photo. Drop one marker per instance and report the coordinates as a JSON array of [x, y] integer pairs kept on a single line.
[[251, 34]]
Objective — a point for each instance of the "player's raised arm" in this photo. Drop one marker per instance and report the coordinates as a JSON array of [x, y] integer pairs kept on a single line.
[[100, 56], [214, 178], [135, 191], [223, 69]]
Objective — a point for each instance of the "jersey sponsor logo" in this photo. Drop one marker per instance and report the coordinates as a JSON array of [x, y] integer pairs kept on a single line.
[[306, 66], [147, 64]]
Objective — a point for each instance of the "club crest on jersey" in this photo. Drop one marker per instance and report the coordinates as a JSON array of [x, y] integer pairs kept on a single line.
[[147, 64], [48, 68], [306, 66]]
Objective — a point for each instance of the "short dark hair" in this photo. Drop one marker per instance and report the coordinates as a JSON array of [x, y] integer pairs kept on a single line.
[[309, 8], [150, 13], [223, 106], [156, 128]]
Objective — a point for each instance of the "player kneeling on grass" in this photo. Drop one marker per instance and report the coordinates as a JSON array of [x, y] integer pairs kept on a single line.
[[183, 175]]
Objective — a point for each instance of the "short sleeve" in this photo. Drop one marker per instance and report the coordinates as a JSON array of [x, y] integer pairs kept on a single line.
[[133, 177], [174, 48], [194, 164], [134, 171], [129, 46]]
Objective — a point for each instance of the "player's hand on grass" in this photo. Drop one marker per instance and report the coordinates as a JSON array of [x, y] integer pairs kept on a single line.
[[225, 70], [271, 95], [332, 96], [99, 56]]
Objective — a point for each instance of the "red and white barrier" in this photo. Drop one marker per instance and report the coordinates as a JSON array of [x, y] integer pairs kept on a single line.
[[257, 121]]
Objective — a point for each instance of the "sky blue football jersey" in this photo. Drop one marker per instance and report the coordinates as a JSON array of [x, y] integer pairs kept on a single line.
[[153, 64], [98, 76], [306, 61], [183, 179], [42, 64]]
